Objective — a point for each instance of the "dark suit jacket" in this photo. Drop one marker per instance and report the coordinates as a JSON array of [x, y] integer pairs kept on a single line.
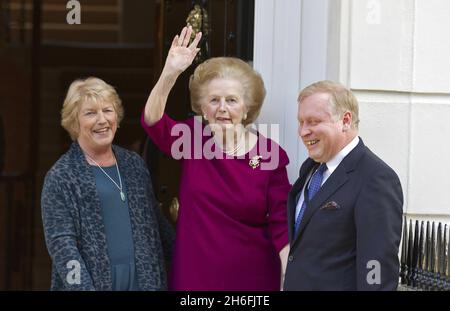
[[355, 218]]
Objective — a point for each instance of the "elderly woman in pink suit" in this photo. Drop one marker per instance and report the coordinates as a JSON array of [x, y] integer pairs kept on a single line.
[[232, 227]]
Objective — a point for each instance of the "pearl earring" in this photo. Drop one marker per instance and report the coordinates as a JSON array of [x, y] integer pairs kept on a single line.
[[245, 116]]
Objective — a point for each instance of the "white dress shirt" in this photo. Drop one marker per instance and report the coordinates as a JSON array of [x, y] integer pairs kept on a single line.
[[331, 167]]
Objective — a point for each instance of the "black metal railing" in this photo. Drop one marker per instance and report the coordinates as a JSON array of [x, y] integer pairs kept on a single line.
[[424, 263]]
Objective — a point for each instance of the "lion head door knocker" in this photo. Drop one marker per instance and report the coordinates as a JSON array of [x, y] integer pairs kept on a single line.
[[199, 20]]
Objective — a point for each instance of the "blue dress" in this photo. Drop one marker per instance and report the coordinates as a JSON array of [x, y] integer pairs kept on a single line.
[[116, 219]]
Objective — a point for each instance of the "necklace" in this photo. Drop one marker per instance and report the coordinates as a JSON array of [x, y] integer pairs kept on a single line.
[[236, 148], [122, 195]]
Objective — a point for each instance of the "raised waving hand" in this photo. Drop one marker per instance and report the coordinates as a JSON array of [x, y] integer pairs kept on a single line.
[[181, 53], [180, 56]]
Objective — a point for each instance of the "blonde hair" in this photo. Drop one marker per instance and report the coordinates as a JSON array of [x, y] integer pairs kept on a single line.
[[229, 68], [341, 98], [83, 90]]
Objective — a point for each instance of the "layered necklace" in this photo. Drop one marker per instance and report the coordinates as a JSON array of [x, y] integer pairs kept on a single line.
[[236, 148], [122, 195]]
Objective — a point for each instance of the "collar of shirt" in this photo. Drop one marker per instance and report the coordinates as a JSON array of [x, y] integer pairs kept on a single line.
[[331, 167], [334, 162]]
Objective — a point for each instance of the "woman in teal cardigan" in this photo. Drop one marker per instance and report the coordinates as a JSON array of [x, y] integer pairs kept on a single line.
[[102, 224]]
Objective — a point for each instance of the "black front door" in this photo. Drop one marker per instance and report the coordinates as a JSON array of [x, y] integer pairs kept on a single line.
[[227, 27]]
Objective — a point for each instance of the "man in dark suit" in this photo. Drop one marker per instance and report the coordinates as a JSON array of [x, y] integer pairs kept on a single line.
[[345, 209]]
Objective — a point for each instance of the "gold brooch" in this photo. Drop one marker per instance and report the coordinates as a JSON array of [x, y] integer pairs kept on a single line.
[[254, 161]]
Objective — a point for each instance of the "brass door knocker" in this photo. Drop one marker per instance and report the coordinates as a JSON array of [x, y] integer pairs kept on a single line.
[[199, 20]]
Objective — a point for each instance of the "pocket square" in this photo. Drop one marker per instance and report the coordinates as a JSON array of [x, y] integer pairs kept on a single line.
[[330, 206]]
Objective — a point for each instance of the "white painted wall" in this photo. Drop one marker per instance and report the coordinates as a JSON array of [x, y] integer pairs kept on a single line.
[[395, 56], [290, 52], [400, 70], [277, 58]]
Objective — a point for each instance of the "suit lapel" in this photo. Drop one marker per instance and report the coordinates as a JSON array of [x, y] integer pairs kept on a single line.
[[333, 183], [336, 180]]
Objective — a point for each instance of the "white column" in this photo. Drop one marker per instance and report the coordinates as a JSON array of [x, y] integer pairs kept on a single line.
[[290, 52]]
